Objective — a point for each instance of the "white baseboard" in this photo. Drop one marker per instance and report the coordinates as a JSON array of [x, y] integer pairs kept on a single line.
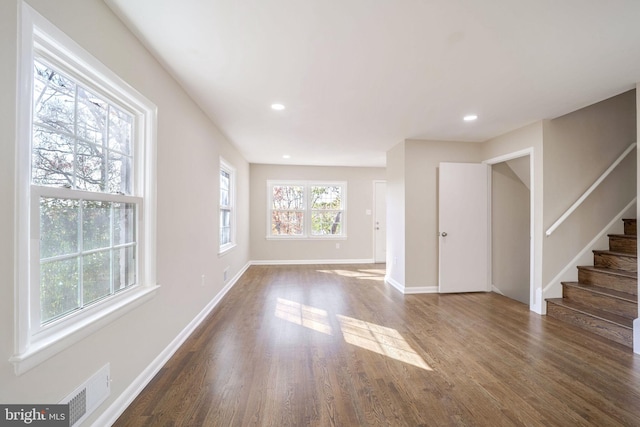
[[408, 290], [399, 286], [111, 414], [312, 261]]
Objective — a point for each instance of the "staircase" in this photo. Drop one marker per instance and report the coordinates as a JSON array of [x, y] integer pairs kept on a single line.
[[605, 298]]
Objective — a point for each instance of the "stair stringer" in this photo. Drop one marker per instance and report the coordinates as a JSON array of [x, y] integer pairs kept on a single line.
[[569, 273]]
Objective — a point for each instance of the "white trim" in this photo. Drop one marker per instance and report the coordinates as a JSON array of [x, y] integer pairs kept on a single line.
[[312, 261], [394, 283], [117, 408], [409, 290]]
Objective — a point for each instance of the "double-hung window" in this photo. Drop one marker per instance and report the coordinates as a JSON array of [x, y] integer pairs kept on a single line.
[[227, 206], [85, 174], [306, 209]]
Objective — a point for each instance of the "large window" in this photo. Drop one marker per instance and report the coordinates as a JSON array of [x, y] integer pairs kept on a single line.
[[81, 186], [307, 209], [86, 207], [227, 206]]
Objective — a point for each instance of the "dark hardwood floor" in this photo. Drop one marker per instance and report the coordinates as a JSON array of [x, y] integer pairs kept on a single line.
[[333, 345]]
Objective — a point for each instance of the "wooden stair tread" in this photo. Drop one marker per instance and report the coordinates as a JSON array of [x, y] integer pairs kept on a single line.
[[624, 236], [612, 271], [622, 254], [599, 314], [604, 291]]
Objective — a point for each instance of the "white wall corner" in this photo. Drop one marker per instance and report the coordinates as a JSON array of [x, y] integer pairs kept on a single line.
[[538, 304], [636, 336]]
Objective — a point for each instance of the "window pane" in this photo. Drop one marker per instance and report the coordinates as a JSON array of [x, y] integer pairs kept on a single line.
[[288, 197], [92, 117], [58, 288], [53, 99], [225, 235], [58, 227], [96, 276], [119, 174], [124, 221], [120, 130], [52, 158], [124, 268], [90, 168], [225, 180], [96, 224], [326, 197], [287, 223], [224, 217], [224, 197], [326, 223]]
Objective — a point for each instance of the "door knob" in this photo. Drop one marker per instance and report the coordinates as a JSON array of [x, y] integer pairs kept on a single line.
[[443, 234]]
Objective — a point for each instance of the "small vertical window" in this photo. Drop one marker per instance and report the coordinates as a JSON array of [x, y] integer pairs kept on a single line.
[[227, 214], [326, 210], [287, 210]]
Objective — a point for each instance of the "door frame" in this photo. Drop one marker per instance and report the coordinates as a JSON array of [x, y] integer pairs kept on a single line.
[[535, 298]]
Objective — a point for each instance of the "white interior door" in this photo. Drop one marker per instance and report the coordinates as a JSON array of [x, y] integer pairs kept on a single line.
[[380, 222], [464, 227]]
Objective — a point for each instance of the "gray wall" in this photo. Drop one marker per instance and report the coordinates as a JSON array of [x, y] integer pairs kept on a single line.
[[188, 151], [578, 148], [359, 242], [396, 224], [510, 212]]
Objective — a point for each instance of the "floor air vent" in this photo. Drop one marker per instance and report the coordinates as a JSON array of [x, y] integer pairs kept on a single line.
[[88, 396]]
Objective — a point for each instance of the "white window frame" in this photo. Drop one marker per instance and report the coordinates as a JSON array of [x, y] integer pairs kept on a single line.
[[307, 210], [231, 207], [35, 343]]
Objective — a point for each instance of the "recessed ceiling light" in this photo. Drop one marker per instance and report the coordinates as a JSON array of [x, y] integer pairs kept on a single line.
[[286, 156], [277, 107], [470, 117]]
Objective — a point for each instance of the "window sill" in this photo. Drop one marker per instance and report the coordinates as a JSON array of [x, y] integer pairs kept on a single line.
[[316, 238], [226, 248], [44, 348]]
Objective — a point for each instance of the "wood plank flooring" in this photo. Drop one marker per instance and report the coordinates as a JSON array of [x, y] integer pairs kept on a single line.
[[334, 346]]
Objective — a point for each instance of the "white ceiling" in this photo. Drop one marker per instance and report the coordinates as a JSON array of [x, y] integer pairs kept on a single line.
[[359, 76]]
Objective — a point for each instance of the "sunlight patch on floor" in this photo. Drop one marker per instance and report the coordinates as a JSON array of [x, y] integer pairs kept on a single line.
[[303, 315], [381, 340]]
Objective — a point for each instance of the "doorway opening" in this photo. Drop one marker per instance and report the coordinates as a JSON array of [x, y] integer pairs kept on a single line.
[[511, 228]]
